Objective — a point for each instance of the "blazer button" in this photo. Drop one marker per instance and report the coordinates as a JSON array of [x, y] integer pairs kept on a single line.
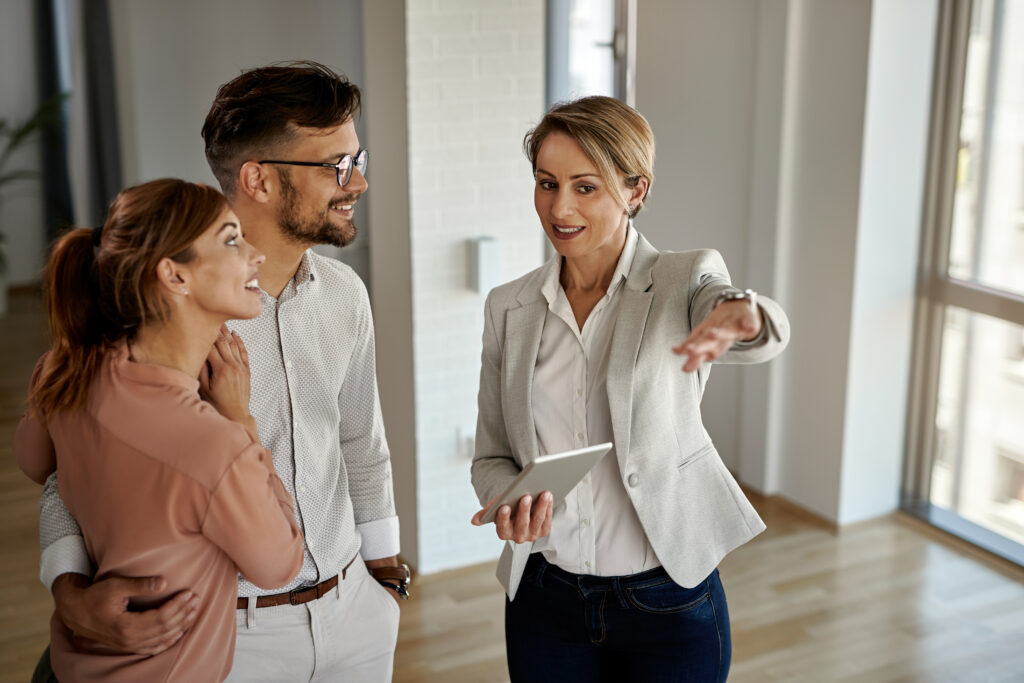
[[634, 479]]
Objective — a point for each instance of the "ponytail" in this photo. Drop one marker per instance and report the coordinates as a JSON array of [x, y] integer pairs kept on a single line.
[[76, 325]]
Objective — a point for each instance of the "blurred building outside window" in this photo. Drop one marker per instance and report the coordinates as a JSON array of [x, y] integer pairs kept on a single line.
[[977, 445]]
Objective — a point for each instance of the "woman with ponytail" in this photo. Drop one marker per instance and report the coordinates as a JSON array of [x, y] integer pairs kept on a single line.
[[161, 481]]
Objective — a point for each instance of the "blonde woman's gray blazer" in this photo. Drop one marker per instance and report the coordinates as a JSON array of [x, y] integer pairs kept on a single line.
[[691, 508]]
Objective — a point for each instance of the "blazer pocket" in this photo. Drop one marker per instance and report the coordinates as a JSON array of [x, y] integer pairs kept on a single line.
[[701, 452]]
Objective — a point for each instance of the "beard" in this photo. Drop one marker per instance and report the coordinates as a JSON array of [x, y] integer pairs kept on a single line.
[[316, 229]]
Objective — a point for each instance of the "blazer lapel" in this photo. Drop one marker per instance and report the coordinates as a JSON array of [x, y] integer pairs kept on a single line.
[[637, 296], [523, 328]]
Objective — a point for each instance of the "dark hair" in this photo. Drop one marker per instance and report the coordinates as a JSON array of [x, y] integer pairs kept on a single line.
[[616, 137], [256, 111], [98, 295]]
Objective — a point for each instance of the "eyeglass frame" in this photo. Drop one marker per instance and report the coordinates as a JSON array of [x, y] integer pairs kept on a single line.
[[353, 162]]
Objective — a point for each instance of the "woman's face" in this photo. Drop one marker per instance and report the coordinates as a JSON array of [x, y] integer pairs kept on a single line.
[[222, 276], [580, 214]]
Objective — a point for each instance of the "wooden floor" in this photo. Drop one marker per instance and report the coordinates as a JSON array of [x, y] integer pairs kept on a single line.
[[886, 601]]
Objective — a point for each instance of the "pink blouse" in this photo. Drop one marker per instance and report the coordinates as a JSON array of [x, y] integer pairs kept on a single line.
[[162, 484]]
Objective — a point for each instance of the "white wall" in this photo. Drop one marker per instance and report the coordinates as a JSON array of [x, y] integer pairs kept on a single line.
[[885, 277], [695, 83], [21, 209], [828, 72], [777, 146], [475, 84], [854, 138]]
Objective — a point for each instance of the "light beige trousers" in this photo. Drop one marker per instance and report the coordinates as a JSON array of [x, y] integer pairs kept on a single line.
[[347, 635]]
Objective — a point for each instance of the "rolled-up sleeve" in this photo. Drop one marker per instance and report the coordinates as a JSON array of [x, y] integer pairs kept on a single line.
[[62, 548]]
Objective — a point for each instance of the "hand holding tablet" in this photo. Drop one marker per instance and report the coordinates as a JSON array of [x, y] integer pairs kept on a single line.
[[523, 521], [532, 495]]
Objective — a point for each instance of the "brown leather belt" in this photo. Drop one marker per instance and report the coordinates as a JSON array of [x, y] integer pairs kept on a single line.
[[296, 596]]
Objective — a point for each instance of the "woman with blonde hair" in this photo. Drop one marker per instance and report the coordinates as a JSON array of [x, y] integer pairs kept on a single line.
[[618, 582], [161, 481]]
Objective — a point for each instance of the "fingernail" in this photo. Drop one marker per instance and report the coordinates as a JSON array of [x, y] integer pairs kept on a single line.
[[189, 595], [527, 500]]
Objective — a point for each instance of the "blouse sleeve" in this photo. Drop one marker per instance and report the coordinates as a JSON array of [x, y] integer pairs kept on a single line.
[[33, 446], [251, 518]]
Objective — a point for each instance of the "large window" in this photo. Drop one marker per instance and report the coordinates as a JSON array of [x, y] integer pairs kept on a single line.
[[966, 466]]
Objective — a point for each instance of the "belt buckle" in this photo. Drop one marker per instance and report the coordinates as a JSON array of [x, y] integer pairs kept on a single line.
[[293, 593]]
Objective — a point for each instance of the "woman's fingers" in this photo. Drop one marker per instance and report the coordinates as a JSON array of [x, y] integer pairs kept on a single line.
[[214, 358], [726, 325], [228, 345], [503, 523], [242, 352], [522, 520], [531, 520], [540, 524], [236, 352], [478, 517], [223, 348], [703, 345]]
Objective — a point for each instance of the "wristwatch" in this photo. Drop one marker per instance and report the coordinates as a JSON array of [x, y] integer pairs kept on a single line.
[[737, 295], [397, 578]]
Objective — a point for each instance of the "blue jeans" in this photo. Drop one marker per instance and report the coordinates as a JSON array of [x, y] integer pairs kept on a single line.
[[642, 627]]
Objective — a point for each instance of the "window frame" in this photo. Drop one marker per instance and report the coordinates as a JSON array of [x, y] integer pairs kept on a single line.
[[937, 290]]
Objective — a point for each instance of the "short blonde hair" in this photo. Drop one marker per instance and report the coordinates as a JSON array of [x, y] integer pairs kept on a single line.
[[616, 137]]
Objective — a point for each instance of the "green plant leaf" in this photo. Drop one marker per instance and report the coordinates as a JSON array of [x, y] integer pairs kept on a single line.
[[48, 114]]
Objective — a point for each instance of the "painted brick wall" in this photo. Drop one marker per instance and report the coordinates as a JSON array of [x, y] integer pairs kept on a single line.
[[475, 85]]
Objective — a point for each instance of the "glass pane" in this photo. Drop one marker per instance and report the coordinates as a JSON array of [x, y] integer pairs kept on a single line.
[[987, 241], [580, 55], [978, 470], [591, 55]]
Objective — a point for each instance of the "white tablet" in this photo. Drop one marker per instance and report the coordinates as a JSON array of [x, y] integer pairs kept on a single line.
[[558, 473]]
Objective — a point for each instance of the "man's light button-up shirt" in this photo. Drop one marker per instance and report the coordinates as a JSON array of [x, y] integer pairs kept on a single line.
[[314, 397]]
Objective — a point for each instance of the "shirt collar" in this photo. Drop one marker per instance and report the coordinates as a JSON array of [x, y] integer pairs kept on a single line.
[[306, 270], [553, 268]]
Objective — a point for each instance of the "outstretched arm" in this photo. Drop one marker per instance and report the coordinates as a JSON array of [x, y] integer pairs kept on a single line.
[[740, 331]]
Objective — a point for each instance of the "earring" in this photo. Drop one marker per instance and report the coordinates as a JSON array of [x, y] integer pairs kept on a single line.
[[184, 290]]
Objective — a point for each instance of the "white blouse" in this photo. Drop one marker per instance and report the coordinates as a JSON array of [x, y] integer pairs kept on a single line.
[[595, 530]]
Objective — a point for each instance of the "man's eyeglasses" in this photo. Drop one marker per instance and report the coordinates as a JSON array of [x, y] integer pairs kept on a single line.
[[343, 168]]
